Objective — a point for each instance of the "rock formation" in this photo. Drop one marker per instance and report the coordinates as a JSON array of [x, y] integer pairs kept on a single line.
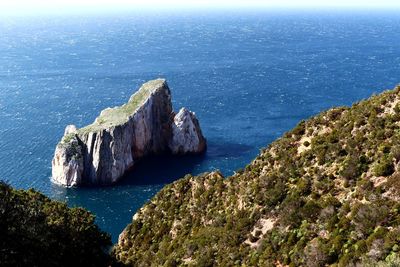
[[186, 134], [103, 151]]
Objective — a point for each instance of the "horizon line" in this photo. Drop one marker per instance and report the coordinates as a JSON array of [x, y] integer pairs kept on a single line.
[[113, 9]]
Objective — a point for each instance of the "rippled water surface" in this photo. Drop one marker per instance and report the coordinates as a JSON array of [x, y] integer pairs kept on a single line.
[[248, 76]]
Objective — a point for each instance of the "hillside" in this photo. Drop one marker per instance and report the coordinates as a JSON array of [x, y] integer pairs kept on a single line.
[[325, 193], [36, 231]]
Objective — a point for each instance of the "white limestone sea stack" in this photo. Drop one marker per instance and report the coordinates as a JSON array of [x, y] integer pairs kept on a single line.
[[102, 152]]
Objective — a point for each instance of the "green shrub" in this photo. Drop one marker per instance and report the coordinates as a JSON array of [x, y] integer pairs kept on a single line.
[[384, 167], [35, 231]]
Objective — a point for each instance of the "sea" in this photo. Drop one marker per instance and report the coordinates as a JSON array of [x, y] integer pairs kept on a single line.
[[248, 75]]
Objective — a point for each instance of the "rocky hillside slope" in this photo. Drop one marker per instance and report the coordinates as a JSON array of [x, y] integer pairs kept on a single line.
[[326, 193], [103, 151], [36, 231]]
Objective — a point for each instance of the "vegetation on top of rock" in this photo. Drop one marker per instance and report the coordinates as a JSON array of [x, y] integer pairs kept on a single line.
[[120, 115], [326, 193], [67, 138], [36, 231]]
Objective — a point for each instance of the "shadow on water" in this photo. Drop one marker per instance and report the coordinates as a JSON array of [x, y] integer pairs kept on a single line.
[[166, 169], [223, 149], [161, 169]]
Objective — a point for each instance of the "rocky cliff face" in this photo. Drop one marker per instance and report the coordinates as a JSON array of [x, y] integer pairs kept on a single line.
[[102, 152], [186, 133]]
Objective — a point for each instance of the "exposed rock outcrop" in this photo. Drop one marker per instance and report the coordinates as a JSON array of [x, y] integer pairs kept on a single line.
[[186, 133], [103, 151]]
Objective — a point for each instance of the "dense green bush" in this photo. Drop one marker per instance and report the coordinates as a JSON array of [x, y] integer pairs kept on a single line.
[[35, 231], [384, 167]]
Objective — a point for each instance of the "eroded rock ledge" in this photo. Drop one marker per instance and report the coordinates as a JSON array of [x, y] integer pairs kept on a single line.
[[103, 151]]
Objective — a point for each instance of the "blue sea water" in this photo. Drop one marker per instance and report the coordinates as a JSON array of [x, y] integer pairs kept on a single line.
[[249, 76]]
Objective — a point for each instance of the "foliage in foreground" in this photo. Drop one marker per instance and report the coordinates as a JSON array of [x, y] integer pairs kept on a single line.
[[36, 231], [326, 193]]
